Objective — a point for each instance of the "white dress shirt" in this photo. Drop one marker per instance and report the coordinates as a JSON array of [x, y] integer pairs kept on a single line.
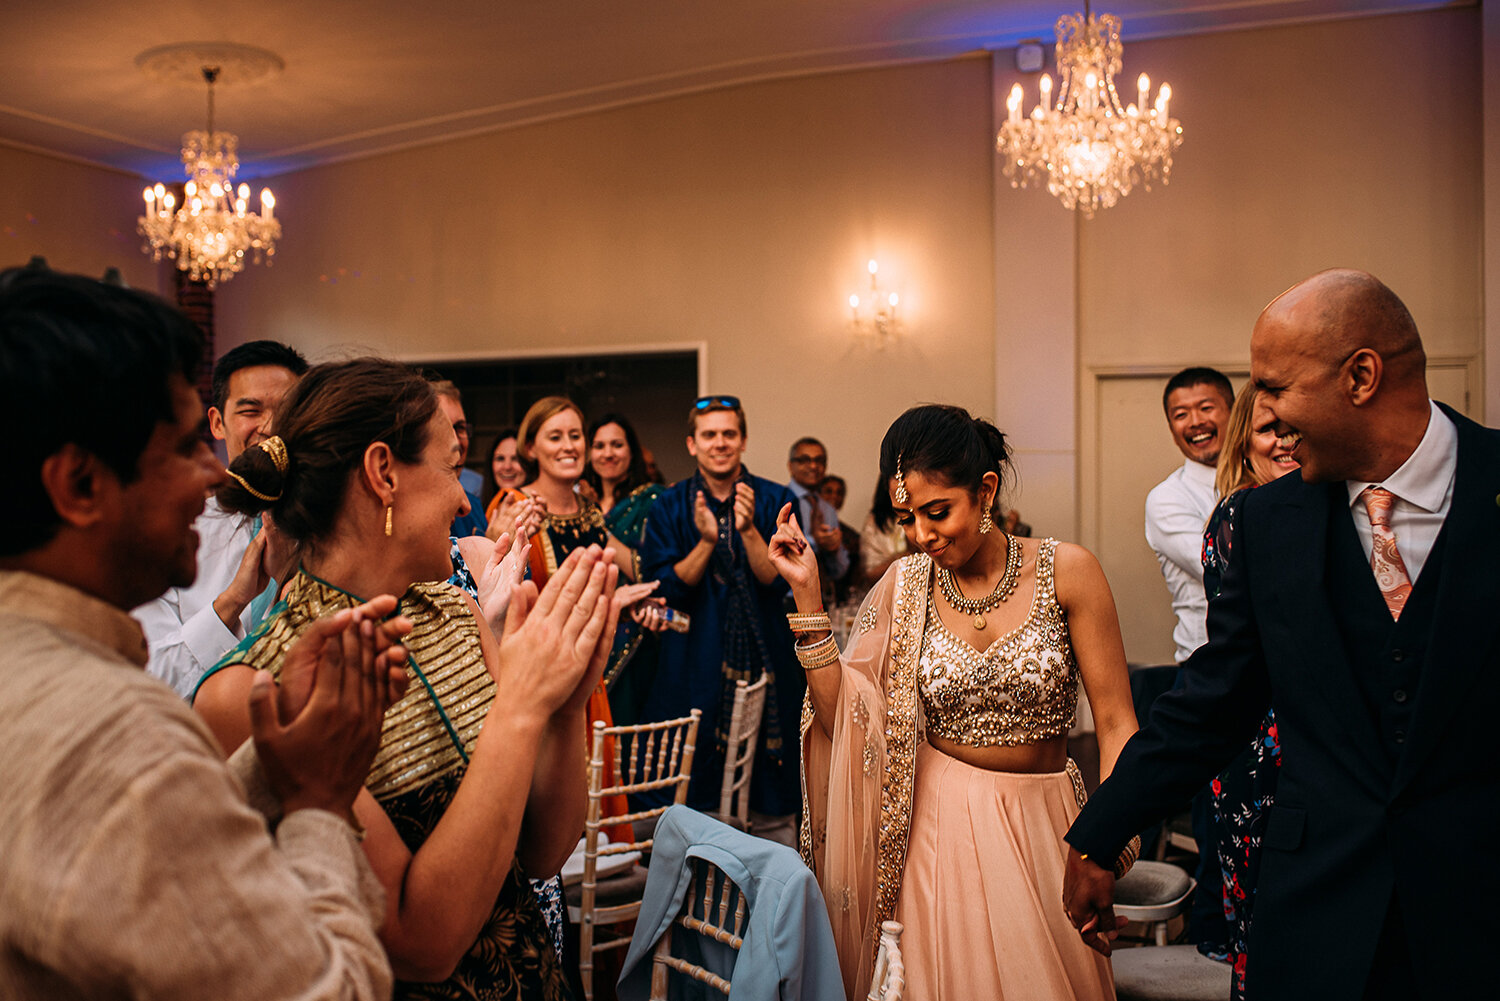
[[185, 635], [1177, 511], [1423, 490]]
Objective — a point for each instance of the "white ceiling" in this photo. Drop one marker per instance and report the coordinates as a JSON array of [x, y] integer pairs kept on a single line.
[[366, 76]]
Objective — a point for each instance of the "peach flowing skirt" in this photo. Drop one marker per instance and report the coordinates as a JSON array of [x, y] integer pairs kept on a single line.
[[981, 897]]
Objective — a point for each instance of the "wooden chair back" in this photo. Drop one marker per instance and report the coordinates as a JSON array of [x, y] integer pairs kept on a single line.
[[646, 757], [714, 908], [739, 755]]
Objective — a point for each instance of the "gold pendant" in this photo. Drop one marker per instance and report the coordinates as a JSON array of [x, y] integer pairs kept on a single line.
[[979, 622]]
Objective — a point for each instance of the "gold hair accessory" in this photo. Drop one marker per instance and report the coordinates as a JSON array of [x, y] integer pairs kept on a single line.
[[388, 520], [251, 490], [276, 449], [986, 523], [819, 654], [901, 495]]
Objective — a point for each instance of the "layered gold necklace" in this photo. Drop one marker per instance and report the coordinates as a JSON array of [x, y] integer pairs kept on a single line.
[[978, 606]]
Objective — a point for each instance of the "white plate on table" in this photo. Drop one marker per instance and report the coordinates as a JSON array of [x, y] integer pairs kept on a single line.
[[605, 867]]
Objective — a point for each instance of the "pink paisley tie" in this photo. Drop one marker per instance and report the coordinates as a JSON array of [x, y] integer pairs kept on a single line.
[[1385, 558]]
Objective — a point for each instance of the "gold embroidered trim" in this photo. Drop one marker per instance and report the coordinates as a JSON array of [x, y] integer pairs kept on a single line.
[[907, 621], [1080, 794]]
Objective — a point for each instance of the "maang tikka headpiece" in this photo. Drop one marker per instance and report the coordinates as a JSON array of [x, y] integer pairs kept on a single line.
[[901, 495]]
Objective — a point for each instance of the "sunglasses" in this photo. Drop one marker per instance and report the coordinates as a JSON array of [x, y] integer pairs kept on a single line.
[[704, 402]]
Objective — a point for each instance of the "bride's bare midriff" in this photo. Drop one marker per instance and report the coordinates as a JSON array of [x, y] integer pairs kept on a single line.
[[1046, 756]]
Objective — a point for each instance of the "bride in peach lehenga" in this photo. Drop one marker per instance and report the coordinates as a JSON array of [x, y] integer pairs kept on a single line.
[[936, 779]]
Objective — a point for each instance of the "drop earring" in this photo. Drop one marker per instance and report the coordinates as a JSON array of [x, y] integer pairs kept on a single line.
[[388, 521], [986, 523]]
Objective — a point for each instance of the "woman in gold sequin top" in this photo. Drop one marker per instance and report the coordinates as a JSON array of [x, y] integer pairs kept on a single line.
[[936, 776], [478, 781]]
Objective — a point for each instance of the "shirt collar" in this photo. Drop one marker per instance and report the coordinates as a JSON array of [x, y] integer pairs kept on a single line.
[[1197, 472], [798, 489], [64, 607], [1425, 479]]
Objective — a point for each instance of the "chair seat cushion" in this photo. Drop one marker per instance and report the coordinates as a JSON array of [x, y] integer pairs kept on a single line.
[[1150, 884], [1169, 973], [623, 889]]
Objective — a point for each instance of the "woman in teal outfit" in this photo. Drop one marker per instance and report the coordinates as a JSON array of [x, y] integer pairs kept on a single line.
[[617, 476], [478, 782]]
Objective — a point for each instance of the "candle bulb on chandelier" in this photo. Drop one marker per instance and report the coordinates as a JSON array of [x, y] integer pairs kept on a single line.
[[1046, 102], [1013, 105], [267, 204], [1162, 97], [1142, 89]]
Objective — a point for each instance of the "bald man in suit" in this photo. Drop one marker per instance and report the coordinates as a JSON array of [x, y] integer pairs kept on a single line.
[[1363, 603]]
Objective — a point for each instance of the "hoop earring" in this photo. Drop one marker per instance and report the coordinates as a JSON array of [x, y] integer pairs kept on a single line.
[[986, 523], [388, 521]]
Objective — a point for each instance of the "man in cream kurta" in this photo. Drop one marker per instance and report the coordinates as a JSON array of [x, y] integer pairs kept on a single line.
[[131, 861]]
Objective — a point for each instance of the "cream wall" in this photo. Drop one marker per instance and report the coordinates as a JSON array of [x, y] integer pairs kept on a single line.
[[1353, 143], [740, 218], [81, 218]]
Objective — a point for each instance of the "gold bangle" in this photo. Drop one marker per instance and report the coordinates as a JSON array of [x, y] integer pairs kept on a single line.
[[809, 622], [1128, 855], [819, 654]]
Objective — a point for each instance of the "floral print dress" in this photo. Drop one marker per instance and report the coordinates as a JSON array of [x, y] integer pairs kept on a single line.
[[1244, 791]]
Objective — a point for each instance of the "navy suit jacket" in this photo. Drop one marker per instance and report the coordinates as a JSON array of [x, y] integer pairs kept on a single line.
[[1352, 825]]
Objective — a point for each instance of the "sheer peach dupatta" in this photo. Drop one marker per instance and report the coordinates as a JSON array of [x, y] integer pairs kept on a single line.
[[856, 787]]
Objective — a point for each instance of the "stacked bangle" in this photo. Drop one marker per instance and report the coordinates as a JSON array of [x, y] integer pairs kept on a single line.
[[819, 654], [809, 622]]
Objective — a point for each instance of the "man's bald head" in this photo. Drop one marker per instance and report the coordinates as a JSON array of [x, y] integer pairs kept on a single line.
[[1341, 366], [1336, 312]]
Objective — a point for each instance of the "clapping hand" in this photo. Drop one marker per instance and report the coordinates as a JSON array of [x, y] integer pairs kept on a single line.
[[556, 643], [517, 514], [645, 610], [828, 537], [502, 574], [791, 554], [317, 732], [704, 520], [744, 507]]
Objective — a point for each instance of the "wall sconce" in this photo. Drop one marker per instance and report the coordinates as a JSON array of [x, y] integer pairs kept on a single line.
[[874, 316]]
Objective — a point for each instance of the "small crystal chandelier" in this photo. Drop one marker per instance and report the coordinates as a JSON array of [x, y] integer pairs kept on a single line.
[[874, 316], [209, 235], [1092, 150]]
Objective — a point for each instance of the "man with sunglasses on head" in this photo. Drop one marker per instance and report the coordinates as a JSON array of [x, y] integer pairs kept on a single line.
[[706, 543]]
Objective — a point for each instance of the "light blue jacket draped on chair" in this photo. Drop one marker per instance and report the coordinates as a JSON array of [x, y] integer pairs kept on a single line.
[[788, 949]]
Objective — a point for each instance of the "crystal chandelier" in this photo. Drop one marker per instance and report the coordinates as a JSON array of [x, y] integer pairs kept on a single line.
[[210, 233], [874, 316], [1092, 150]]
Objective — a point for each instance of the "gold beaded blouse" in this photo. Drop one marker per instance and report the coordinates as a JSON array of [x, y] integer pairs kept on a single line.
[[1022, 689]]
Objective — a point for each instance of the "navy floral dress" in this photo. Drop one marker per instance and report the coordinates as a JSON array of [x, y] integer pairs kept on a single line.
[[1244, 791]]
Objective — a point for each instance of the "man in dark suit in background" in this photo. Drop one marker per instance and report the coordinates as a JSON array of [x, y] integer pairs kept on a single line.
[[1363, 602]]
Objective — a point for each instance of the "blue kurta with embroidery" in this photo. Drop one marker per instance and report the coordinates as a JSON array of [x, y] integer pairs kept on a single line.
[[691, 673]]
